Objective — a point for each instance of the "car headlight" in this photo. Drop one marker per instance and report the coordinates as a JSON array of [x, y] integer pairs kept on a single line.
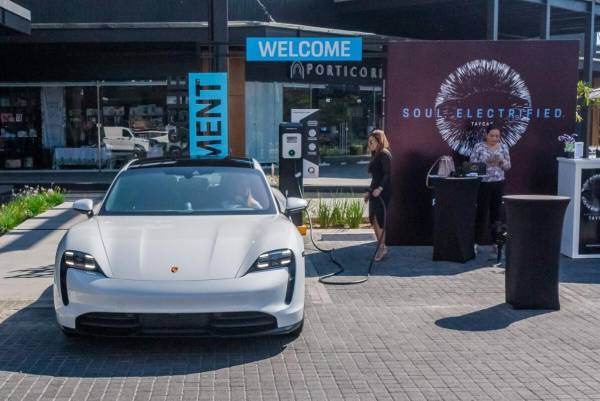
[[80, 260], [273, 260], [281, 258], [75, 260]]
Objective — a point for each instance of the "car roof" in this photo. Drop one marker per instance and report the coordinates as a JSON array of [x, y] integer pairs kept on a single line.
[[193, 162]]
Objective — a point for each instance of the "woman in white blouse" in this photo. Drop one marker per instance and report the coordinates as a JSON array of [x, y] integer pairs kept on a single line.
[[496, 157]]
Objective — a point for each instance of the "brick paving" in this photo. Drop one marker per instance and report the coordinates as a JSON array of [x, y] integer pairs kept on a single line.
[[417, 330]]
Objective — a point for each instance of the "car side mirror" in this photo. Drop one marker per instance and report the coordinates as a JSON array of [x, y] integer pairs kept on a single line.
[[293, 205], [84, 206]]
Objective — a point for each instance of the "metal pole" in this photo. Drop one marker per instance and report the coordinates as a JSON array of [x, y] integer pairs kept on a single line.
[[588, 68], [545, 21], [98, 125], [492, 19], [374, 94], [383, 106], [218, 33]]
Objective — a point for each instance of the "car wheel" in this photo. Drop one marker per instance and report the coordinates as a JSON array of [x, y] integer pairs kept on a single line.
[[139, 152]]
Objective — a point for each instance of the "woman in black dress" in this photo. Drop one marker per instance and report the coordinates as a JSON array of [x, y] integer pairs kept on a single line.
[[380, 189]]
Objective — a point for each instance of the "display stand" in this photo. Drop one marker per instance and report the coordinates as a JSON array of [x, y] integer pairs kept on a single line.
[[455, 208], [579, 179], [534, 224]]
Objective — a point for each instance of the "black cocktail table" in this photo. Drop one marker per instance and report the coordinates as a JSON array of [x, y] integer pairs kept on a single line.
[[454, 217], [534, 224]]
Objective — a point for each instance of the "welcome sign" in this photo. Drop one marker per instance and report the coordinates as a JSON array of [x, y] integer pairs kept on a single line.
[[303, 49], [207, 94], [441, 97]]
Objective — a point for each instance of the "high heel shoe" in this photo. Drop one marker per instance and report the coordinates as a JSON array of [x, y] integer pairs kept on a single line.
[[381, 254]]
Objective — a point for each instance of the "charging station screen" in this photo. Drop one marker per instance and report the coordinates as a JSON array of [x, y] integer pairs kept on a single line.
[[208, 115]]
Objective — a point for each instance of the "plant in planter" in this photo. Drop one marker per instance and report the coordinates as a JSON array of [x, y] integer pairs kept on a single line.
[[569, 144]]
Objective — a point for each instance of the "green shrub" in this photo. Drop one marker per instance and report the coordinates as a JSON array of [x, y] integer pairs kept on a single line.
[[324, 214], [28, 203], [35, 204], [338, 209], [354, 212], [330, 150], [356, 149]]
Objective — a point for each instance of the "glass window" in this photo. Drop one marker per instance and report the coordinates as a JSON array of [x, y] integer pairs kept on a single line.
[[189, 190], [82, 116], [347, 114], [295, 98], [134, 121], [71, 129], [20, 129]]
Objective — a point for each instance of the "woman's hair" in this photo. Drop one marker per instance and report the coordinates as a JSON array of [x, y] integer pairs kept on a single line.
[[382, 142], [491, 128]]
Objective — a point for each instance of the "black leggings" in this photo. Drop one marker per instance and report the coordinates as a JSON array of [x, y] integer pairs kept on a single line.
[[489, 204]]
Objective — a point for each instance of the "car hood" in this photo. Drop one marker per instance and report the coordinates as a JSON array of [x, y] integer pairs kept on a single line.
[[201, 247]]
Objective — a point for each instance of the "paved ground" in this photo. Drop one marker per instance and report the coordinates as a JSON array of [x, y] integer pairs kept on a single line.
[[417, 330]]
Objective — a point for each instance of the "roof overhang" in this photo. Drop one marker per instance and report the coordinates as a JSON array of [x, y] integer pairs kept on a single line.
[[194, 31], [14, 18]]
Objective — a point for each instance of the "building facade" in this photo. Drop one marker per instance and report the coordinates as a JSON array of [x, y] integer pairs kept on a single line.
[[94, 87], [95, 84]]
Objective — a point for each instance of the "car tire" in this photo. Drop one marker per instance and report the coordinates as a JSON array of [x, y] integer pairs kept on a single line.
[[139, 152]]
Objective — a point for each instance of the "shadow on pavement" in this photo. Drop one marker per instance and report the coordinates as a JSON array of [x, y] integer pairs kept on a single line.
[[409, 261], [32, 343], [414, 261], [584, 271], [493, 318], [41, 227], [34, 272]]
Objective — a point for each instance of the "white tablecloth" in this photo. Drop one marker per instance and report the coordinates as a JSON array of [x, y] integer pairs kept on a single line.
[[85, 156]]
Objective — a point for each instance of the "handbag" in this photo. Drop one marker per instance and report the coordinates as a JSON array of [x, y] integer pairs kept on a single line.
[[445, 166]]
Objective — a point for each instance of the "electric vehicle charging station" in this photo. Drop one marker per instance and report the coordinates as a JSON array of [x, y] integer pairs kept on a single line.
[[309, 118], [290, 162]]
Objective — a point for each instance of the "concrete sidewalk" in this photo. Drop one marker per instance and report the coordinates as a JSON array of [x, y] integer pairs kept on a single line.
[[27, 253]]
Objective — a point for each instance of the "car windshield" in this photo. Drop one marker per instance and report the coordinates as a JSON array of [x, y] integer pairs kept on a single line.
[[189, 190]]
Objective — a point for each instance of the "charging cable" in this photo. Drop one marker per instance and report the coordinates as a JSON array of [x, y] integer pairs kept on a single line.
[[324, 279]]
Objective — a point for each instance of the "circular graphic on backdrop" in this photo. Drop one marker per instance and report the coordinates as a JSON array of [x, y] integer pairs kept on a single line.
[[312, 133], [312, 147], [590, 193], [487, 85]]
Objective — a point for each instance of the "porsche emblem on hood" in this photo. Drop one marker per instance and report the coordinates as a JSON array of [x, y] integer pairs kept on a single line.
[[174, 269]]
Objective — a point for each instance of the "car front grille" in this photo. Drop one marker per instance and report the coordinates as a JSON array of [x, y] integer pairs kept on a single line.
[[181, 324]]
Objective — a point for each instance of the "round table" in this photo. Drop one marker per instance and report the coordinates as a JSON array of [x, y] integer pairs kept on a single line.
[[454, 217], [534, 225]]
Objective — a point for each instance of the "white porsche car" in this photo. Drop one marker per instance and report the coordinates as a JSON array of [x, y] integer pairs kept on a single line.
[[183, 247]]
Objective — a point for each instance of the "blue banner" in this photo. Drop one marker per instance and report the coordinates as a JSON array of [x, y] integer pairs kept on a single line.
[[208, 114], [304, 49]]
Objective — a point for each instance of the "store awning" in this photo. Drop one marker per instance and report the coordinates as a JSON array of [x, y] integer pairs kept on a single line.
[[14, 19]]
